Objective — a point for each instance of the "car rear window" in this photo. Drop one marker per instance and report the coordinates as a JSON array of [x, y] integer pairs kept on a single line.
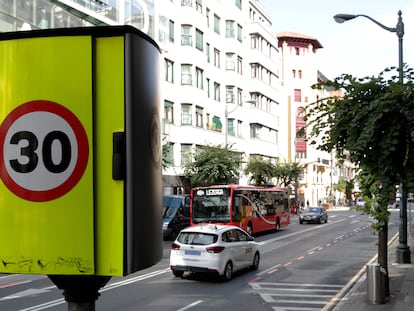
[[197, 238]]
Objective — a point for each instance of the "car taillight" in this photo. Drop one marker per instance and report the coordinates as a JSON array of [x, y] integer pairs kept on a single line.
[[215, 249], [175, 246]]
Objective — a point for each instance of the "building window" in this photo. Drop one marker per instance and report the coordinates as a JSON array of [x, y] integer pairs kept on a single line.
[[231, 131], [255, 130], [298, 95], [171, 31], [216, 58], [169, 71], [255, 71], [230, 29], [185, 154], [297, 51], [186, 38], [239, 4], [208, 52], [239, 33], [187, 3], [216, 24], [199, 78], [239, 65], [208, 17], [230, 94], [208, 88], [239, 97], [169, 156], [199, 116], [169, 111], [230, 61], [254, 41], [239, 131], [216, 91], [199, 6], [300, 74], [186, 117], [186, 76], [294, 73], [199, 40]]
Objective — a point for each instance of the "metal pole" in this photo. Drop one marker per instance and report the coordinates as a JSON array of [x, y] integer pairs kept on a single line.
[[403, 250]]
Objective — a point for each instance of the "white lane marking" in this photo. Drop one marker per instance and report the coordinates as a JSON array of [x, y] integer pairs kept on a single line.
[[27, 292], [190, 305], [138, 278], [300, 232]]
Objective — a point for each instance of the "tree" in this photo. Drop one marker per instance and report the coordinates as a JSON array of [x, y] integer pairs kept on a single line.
[[374, 121], [260, 171], [287, 173], [213, 165]]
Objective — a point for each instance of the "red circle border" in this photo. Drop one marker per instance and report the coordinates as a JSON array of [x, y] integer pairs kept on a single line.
[[83, 150]]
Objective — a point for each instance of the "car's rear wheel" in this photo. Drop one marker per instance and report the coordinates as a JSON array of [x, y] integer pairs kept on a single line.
[[228, 271], [256, 261], [178, 273]]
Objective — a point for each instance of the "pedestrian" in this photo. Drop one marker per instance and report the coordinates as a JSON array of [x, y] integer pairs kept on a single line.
[[307, 203]]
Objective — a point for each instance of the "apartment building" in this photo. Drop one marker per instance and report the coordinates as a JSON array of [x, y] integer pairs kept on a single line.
[[221, 83]]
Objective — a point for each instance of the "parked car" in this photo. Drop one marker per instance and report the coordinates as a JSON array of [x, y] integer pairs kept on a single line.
[[361, 202], [314, 214], [176, 214], [215, 249]]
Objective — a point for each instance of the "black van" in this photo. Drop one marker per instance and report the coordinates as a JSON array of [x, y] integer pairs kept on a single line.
[[176, 214]]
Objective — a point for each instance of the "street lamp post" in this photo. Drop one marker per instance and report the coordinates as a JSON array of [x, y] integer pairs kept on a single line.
[[403, 250]]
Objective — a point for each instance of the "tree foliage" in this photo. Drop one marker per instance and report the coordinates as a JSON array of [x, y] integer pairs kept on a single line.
[[260, 171], [213, 165], [374, 121], [287, 172]]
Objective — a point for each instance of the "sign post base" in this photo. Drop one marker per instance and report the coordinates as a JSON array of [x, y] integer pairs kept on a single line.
[[80, 291]]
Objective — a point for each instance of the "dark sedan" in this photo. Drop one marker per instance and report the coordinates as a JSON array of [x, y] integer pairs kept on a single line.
[[314, 214]]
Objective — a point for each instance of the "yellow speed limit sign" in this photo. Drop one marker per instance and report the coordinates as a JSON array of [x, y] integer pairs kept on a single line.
[[46, 189], [80, 152]]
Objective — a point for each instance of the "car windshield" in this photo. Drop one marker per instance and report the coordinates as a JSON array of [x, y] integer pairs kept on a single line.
[[314, 210], [197, 238]]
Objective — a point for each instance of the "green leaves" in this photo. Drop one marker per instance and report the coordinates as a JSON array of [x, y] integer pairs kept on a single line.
[[374, 122], [213, 165]]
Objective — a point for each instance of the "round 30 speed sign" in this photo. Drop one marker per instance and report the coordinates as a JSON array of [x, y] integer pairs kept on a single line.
[[43, 151]]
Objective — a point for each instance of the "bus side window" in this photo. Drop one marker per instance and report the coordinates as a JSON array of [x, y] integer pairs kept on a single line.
[[237, 208]]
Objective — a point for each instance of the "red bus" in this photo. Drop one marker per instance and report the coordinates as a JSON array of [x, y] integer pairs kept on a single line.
[[254, 209]]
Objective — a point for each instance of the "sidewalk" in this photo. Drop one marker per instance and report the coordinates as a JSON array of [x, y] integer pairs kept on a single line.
[[401, 286]]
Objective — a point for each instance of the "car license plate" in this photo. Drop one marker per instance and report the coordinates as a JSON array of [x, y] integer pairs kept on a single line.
[[193, 253], [307, 218]]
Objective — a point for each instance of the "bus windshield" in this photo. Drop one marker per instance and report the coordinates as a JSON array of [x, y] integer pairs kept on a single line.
[[211, 207]]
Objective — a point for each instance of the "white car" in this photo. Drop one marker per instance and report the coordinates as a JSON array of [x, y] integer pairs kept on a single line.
[[361, 202], [211, 248]]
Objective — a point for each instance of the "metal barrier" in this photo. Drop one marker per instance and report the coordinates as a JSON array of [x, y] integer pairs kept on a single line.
[[375, 283]]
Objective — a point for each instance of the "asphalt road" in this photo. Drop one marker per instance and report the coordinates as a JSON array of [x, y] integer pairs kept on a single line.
[[302, 267]]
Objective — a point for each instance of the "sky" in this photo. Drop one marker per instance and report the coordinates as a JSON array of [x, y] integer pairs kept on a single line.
[[358, 47]]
